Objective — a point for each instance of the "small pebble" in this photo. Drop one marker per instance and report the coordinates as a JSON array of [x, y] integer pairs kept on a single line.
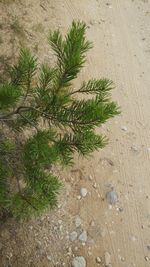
[[83, 192], [122, 259], [73, 236], [83, 236], [112, 197], [95, 185], [124, 128], [79, 262], [98, 260], [146, 258]]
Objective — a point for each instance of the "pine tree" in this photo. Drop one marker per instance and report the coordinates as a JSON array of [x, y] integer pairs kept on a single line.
[[42, 99]]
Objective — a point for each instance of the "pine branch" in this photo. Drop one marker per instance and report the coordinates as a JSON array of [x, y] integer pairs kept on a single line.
[[100, 87], [9, 95], [70, 52]]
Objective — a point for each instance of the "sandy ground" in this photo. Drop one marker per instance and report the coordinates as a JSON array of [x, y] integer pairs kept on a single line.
[[119, 30]]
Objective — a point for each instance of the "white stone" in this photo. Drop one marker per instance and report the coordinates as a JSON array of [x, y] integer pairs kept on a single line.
[[98, 260], [78, 221], [83, 192], [124, 128], [73, 236], [79, 262], [83, 236]]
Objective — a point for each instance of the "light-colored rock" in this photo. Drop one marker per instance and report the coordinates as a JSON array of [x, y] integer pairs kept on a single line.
[[95, 185], [83, 192], [146, 258], [107, 259], [49, 258], [112, 197], [98, 260], [78, 221], [83, 236], [79, 262], [124, 128], [73, 236]]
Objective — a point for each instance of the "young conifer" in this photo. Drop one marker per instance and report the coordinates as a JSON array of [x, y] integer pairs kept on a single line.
[[42, 99]]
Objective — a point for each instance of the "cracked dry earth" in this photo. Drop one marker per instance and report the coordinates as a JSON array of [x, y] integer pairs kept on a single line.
[[104, 208]]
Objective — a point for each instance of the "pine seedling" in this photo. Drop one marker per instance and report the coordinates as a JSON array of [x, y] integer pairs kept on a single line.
[[41, 98]]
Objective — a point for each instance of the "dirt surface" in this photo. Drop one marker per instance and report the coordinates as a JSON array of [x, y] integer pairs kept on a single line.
[[119, 30]]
